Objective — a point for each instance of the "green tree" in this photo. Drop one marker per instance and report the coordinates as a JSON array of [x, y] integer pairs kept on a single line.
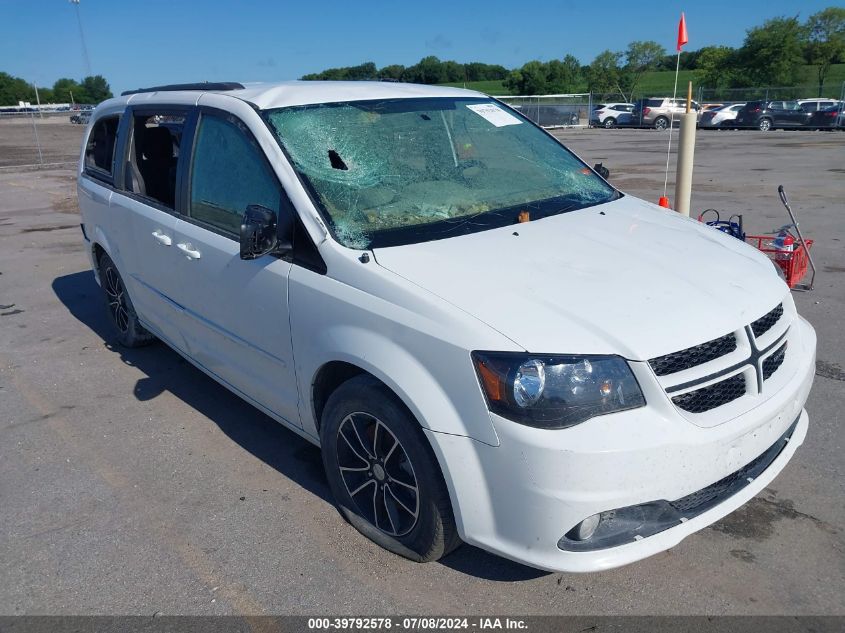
[[393, 71], [45, 94], [14, 89], [429, 70], [367, 70], [452, 72], [771, 54], [563, 76], [714, 66], [640, 57], [825, 40], [65, 88], [96, 88], [478, 71], [531, 79], [603, 73]]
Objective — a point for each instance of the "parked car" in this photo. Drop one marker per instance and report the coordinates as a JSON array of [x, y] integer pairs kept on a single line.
[[606, 114], [658, 112], [625, 119], [721, 117], [771, 115], [82, 117], [706, 107], [814, 105], [377, 266], [830, 118]]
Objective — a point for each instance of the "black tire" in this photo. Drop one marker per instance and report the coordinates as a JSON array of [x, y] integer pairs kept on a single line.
[[661, 123], [357, 413], [609, 122], [764, 124], [121, 312]]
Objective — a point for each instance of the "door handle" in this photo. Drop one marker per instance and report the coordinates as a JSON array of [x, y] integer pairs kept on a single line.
[[189, 252], [161, 238]]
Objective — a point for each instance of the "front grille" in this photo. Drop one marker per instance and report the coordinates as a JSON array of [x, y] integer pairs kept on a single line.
[[773, 362], [701, 497], [716, 395], [701, 500], [765, 323], [693, 356]]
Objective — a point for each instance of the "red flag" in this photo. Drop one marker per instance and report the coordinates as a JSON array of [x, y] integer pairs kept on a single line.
[[682, 32]]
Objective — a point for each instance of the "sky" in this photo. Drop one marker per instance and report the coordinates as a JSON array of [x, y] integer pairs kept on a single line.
[[143, 43]]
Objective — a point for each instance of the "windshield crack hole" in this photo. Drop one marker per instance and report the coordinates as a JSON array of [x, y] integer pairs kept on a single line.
[[336, 161]]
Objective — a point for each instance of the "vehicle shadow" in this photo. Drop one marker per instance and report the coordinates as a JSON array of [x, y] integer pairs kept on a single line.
[[165, 370], [260, 435], [475, 562]]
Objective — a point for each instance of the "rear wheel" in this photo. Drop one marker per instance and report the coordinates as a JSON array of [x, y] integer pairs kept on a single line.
[[764, 124], [609, 122], [383, 473], [661, 123], [130, 332]]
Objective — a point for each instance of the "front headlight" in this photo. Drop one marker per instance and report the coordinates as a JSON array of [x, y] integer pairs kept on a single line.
[[555, 392]]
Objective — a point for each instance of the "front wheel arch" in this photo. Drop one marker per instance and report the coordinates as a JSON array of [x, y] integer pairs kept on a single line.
[[443, 405]]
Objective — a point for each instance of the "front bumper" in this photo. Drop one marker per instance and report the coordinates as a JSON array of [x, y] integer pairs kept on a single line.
[[518, 499]]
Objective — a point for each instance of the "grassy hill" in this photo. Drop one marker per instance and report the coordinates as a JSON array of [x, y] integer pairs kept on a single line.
[[660, 83]]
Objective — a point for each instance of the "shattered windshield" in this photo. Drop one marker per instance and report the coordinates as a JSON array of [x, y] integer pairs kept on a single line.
[[401, 171]]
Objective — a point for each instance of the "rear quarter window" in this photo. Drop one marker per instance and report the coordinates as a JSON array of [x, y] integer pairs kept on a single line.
[[99, 150]]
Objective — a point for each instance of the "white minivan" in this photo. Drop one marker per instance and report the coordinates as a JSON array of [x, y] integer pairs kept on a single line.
[[490, 343]]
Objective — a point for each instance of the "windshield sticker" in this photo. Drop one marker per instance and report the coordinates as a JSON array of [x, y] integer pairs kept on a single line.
[[493, 114]]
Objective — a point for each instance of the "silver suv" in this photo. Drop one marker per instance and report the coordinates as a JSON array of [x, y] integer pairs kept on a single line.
[[658, 112]]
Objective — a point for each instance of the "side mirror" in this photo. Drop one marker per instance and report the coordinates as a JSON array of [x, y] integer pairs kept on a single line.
[[259, 232]]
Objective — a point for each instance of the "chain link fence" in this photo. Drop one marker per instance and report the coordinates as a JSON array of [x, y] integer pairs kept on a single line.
[[553, 111], [703, 95]]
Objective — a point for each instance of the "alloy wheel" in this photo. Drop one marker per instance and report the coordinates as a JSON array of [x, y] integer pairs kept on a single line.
[[378, 474], [116, 297]]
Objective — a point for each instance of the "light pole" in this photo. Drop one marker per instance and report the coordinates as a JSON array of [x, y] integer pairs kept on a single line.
[[37, 100], [75, 3]]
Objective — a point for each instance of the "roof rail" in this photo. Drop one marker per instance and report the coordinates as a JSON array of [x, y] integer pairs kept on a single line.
[[215, 86]]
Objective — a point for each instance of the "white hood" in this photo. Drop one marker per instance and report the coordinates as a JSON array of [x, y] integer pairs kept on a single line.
[[626, 277]]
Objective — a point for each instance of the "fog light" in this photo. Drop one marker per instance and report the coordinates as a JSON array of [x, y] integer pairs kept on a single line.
[[586, 528]]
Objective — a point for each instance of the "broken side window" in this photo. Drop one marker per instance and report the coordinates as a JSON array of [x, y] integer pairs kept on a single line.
[[153, 156], [99, 152]]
